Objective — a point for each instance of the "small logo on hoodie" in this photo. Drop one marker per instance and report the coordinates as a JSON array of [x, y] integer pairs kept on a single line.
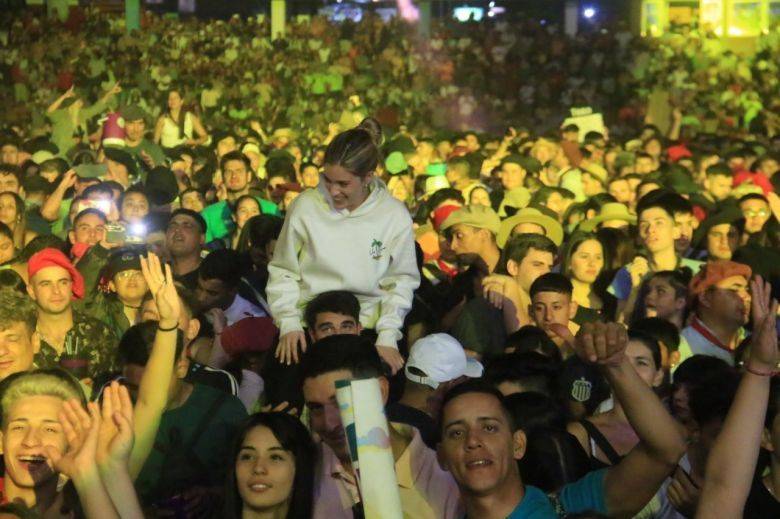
[[376, 249]]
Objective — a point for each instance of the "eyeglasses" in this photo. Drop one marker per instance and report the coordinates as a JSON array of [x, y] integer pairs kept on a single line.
[[752, 214], [128, 274]]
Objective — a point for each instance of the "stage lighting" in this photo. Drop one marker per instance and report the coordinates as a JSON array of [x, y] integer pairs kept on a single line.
[[589, 12]]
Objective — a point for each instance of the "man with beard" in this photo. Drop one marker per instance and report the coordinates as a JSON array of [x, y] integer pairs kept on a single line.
[[236, 176]]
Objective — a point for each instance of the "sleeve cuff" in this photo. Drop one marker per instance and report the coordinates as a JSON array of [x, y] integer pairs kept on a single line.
[[388, 338], [290, 324]]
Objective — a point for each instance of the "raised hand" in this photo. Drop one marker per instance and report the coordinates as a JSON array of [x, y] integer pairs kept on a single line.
[[163, 289], [599, 343], [763, 346], [115, 439], [68, 179], [81, 431]]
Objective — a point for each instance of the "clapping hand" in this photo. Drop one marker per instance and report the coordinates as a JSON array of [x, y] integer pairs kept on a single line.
[[81, 428], [115, 438]]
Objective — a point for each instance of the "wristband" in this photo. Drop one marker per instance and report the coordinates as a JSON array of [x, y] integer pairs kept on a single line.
[[160, 328], [759, 373]]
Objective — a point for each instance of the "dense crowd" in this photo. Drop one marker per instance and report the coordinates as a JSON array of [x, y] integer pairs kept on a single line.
[[206, 233]]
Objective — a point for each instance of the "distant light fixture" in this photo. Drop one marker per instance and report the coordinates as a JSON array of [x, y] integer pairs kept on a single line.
[[492, 4], [589, 12]]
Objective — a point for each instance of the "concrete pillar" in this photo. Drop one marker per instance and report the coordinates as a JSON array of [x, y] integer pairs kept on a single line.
[[278, 16], [132, 15], [571, 16], [424, 7]]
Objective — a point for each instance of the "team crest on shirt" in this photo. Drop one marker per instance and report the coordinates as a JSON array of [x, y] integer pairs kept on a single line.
[[580, 390], [376, 249]]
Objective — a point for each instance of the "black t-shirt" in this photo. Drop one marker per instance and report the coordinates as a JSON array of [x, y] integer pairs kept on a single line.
[[760, 504], [189, 280], [397, 412]]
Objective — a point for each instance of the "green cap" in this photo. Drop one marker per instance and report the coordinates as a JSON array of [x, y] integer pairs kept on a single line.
[[395, 163], [436, 169]]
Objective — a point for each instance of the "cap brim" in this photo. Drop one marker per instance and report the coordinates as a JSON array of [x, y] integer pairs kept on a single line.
[[474, 368]]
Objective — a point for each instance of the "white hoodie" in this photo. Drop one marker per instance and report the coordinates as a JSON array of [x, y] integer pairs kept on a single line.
[[368, 252]]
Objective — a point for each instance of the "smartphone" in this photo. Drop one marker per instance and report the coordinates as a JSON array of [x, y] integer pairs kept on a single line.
[[116, 233], [136, 233]]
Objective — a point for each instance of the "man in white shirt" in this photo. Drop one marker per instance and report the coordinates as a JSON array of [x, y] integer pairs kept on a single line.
[[219, 277]]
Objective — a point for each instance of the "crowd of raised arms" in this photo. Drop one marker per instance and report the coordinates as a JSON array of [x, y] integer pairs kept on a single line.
[[203, 231]]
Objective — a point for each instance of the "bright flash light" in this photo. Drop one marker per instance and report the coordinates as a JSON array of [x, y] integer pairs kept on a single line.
[[589, 12]]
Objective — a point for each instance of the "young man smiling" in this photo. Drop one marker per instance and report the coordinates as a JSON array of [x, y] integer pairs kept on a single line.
[[237, 175], [480, 444]]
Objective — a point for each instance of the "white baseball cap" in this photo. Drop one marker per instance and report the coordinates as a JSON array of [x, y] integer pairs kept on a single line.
[[442, 358]]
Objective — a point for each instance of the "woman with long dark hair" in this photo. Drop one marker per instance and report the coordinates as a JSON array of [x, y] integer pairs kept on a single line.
[[177, 125], [272, 476], [584, 261], [348, 234]]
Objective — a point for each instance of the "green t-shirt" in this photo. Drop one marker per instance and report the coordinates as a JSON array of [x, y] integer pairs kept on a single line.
[[179, 460], [220, 223]]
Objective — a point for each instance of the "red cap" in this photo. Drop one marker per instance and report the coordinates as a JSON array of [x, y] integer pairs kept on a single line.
[[441, 214], [251, 334], [55, 258], [712, 273], [678, 152]]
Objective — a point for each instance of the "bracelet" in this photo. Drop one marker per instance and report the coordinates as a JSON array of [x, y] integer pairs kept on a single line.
[[759, 373], [175, 327]]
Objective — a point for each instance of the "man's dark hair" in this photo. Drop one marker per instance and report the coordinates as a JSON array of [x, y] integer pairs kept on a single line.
[[699, 367], [551, 282], [720, 169], [136, 343], [680, 204], [533, 370], [37, 244], [461, 163], [650, 342], [352, 353], [101, 188], [224, 265], [448, 193], [659, 329], [88, 211], [280, 167], [659, 198], [711, 398], [753, 196], [57, 164], [192, 214], [234, 155], [474, 385], [531, 338], [337, 301], [518, 246]]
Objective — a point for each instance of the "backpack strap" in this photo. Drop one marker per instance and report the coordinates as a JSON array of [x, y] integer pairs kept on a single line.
[[601, 442]]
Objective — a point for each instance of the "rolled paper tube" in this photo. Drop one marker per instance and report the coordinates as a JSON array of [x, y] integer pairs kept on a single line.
[[344, 399], [378, 482]]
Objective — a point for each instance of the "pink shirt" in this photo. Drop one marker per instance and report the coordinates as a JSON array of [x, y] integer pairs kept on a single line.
[[427, 491]]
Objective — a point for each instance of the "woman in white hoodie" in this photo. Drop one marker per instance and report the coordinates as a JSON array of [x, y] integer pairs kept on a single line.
[[347, 234]]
